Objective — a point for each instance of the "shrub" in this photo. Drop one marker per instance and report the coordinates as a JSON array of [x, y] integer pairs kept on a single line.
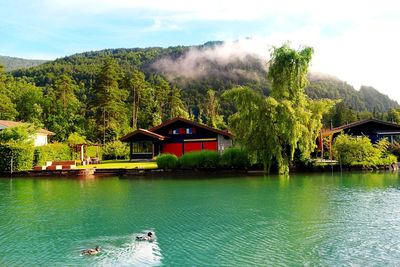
[[235, 157], [351, 151], [200, 159], [115, 150], [395, 149], [94, 151], [51, 152], [19, 155], [76, 139], [167, 161]]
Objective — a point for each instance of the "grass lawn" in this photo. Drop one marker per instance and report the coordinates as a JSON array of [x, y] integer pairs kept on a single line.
[[120, 164]]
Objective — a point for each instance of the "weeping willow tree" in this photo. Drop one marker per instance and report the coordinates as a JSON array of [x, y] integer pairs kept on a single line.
[[274, 127]]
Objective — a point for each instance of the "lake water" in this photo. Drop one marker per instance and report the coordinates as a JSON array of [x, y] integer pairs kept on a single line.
[[325, 220]]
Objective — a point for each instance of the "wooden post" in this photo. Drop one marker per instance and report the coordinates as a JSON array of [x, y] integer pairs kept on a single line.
[[82, 153], [322, 145], [131, 150]]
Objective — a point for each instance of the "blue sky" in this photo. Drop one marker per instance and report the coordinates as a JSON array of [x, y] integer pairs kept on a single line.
[[354, 40]]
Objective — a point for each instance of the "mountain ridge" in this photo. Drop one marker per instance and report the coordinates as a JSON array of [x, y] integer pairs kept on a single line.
[[194, 69], [14, 63]]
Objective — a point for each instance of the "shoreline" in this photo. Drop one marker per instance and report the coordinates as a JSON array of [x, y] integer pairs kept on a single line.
[[155, 173]]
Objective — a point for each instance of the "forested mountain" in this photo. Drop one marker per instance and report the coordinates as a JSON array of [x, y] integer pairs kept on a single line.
[[366, 99], [13, 63], [104, 94]]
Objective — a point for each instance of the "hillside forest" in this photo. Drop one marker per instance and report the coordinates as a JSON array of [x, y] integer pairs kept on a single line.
[[103, 95]]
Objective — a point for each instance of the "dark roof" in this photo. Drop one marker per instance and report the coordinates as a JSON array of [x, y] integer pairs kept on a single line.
[[357, 123], [11, 124], [168, 122], [144, 132]]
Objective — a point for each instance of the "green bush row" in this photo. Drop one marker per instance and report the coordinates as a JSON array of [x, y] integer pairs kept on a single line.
[[167, 162], [51, 152], [16, 157], [359, 151], [231, 158]]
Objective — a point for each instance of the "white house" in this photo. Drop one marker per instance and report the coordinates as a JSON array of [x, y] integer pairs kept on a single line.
[[41, 137]]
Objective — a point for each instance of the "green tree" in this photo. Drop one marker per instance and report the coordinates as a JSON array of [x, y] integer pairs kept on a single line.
[[162, 90], [137, 87], [394, 116], [359, 151], [211, 111], [28, 100], [7, 107], [62, 108], [175, 104], [19, 134], [76, 139], [111, 116], [274, 127]]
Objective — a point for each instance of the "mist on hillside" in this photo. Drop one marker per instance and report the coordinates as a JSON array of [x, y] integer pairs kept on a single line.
[[246, 58], [225, 59]]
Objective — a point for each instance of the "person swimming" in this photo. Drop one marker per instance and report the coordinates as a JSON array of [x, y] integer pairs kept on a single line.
[[91, 251], [148, 237]]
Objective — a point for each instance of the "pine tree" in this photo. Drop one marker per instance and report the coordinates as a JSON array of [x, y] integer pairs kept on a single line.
[[111, 115]]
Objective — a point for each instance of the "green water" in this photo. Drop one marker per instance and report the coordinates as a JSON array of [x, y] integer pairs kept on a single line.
[[310, 220]]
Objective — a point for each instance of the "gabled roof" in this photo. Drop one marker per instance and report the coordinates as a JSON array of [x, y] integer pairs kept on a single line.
[[10, 124], [144, 132], [168, 122], [357, 123]]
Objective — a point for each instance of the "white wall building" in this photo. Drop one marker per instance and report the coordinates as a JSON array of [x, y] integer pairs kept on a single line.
[[40, 138]]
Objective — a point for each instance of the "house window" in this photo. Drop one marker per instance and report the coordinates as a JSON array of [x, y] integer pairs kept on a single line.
[[189, 130], [175, 131], [142, 147]]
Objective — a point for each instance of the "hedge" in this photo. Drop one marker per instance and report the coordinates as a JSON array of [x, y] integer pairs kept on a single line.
[[167, 162], [200, 159], [235, 157], [51, 152], [20, 156]]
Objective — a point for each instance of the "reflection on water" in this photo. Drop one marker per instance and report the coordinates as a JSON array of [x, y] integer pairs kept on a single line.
[[314, 219]]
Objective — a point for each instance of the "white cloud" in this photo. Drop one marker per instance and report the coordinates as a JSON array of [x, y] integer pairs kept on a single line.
[[161, 25]]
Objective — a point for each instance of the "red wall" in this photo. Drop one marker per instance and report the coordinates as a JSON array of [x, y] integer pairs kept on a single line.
[[193, 146], [210, 146], [174, 148]]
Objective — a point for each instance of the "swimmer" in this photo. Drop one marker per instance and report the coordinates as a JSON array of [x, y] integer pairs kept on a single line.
[[91, 251], [148, 237]]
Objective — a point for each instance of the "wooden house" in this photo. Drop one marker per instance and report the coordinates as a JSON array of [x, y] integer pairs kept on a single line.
[[176, 136], [372, 128]]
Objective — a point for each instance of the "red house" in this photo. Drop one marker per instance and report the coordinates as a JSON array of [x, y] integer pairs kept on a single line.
[[176, 136]]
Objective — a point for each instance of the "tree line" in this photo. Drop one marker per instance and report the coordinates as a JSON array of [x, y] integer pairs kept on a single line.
[[118, 102]]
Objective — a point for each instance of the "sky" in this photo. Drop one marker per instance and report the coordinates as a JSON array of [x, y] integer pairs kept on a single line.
[[357, 41]]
